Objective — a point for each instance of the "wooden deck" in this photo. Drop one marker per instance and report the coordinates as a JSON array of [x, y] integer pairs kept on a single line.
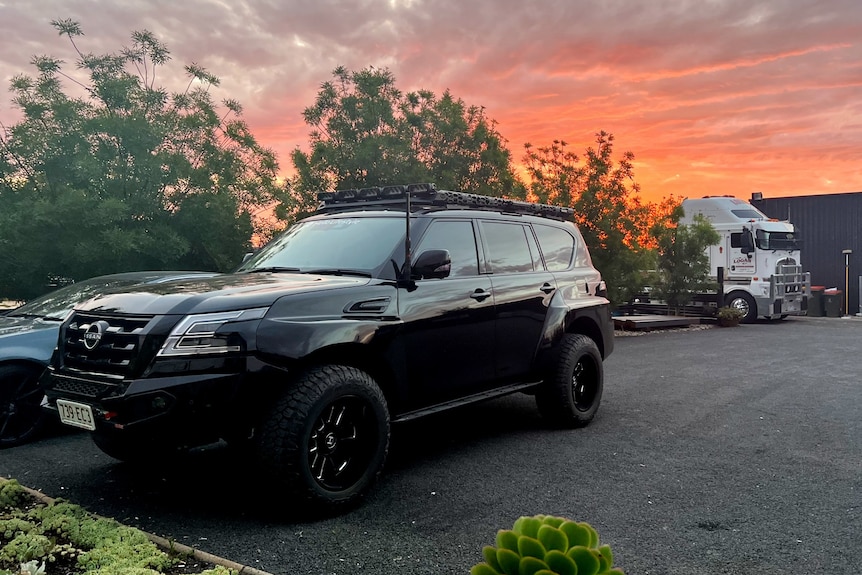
[[648, 322]]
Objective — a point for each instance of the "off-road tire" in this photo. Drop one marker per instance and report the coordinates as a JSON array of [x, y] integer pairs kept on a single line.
[[326, 438], [21, 415], [744, 303], [571, 392]]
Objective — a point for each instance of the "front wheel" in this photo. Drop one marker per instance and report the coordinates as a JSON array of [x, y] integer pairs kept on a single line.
[[745, 304], [326, 438], [570, 394], [21, 414]]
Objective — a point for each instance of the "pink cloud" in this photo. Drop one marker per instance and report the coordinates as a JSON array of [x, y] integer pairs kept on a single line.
[[722, 97]]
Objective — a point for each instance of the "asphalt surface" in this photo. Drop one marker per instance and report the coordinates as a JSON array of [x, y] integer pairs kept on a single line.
[[721, 451]]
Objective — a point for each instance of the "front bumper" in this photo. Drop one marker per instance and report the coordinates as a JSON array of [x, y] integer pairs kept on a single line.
[[188, 408]]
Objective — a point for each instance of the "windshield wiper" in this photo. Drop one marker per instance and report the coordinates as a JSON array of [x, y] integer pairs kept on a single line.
[[273, 269], [338, 272]]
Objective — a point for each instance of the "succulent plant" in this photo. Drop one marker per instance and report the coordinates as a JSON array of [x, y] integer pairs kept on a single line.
[[547, 545]]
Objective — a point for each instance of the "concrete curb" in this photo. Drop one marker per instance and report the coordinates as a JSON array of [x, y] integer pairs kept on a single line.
[[166, 543]]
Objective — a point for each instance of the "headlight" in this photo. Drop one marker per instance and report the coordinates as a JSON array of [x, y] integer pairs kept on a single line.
[[196, 334]]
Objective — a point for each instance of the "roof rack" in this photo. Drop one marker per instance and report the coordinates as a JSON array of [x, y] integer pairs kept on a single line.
[[425, 196]]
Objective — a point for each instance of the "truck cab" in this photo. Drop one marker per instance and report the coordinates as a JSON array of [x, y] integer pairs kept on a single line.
[[760, 256]]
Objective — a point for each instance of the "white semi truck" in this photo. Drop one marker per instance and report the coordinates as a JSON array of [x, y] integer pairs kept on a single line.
[[760, 258]]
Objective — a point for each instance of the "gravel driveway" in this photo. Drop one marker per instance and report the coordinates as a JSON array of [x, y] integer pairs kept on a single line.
[[717, 451]]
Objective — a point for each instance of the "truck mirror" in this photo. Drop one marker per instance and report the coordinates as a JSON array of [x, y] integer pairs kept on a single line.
[[746, 242]]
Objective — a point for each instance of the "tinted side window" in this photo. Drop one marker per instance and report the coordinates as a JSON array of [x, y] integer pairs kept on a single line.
[[508, 249], [558, 247], [736, 240], [459, 239]]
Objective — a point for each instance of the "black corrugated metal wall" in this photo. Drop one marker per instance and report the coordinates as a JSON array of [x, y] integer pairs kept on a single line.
[[828, 224]]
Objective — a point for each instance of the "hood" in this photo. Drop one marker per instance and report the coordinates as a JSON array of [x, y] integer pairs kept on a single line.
[[14, 325], [771, 226], [225, 292], [27, 338]]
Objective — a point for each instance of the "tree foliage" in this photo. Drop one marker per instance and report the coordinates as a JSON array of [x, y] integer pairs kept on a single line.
[[615, 223], [108, 172], [683, 263], [367, 132]]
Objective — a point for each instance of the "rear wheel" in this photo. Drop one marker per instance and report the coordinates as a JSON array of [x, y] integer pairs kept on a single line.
[[570, 394], [326, 438], [21, 414], [745, 304]]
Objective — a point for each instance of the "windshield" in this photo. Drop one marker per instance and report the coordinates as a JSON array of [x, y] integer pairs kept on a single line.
[[344, 244], [777, 240]]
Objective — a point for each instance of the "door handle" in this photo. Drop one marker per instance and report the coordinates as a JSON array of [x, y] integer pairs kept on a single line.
[[547, 288], [480, 294]]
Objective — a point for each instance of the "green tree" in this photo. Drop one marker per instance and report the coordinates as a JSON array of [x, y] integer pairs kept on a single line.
[[107, 172], [682, 264], [367, 132], [614, 221]]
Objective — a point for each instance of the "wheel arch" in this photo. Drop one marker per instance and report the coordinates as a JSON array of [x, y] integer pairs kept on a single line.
[[356, 355], [588, 322], [588, 326], [23, 362]]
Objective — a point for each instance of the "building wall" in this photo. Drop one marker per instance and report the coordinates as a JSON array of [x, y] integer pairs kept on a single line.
[[828, 225]]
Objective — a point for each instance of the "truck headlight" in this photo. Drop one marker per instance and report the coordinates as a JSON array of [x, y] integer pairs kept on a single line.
[[196, 334]]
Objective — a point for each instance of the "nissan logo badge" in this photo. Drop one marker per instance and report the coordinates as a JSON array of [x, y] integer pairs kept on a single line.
[[94, 333]]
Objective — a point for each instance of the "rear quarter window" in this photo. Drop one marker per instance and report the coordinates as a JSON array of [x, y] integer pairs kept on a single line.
[[557, 245]]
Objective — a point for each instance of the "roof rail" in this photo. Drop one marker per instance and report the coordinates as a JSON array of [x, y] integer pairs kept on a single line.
[[427, 196]]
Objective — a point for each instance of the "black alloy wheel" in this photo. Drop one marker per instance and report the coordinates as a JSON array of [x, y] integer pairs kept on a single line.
[[343, 442], [571, 392], [585, 384], [21, 413]]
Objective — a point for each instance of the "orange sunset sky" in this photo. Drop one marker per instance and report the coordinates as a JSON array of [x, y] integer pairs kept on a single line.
[[712, 96]]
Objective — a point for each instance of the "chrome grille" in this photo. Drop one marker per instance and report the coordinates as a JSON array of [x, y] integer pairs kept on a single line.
[[118, 351]]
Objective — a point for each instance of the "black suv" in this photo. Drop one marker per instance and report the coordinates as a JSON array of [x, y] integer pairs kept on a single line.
[[386, 305]]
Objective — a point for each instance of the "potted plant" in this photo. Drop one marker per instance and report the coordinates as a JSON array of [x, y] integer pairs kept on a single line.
[[728, 316]]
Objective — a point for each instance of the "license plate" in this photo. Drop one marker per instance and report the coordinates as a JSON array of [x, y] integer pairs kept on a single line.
[[76, 414]]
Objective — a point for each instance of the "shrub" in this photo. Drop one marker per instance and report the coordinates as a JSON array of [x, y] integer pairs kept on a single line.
[[67, 538]]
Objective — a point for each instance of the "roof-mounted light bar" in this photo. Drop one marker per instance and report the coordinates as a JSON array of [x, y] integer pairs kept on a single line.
[[422, 191]]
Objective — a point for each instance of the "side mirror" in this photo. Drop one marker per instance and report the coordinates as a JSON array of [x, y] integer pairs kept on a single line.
[[432, 264], [247, 256], [747, 243]]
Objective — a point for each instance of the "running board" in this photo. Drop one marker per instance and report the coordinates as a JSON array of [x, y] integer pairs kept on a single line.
[[490, 394]]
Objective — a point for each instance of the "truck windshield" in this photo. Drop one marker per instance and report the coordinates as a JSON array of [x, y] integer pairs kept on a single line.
[[777, 240], [359, 244]]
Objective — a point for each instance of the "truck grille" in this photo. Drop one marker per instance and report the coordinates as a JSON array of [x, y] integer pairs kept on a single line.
[[116, 354], [789, 280]]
